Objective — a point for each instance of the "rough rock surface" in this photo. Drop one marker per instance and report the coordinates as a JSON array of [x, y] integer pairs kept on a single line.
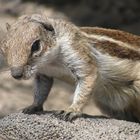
[[45, 126]]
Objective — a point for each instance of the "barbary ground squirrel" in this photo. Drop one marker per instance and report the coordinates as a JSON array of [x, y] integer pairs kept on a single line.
[[103, 64]]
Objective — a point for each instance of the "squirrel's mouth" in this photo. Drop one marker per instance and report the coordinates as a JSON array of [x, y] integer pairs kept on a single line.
[[29, 71], [25, 72]]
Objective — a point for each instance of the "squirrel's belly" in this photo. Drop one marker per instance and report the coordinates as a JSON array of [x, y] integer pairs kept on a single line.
[[58, 72]]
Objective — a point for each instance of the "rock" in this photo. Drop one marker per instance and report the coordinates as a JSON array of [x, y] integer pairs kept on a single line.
[[45, 126]]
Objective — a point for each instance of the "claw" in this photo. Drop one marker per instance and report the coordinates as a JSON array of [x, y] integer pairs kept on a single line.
[[32, 109], [67, 116], [74, 115], [58, 114]]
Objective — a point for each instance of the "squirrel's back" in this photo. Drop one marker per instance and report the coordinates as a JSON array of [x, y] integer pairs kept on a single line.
[[119, 35], [116, 43]]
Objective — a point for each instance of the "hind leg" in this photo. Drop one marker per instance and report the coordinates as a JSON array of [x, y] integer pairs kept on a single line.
[[136, 109], [118, 104], [125, 114], [136, 102]]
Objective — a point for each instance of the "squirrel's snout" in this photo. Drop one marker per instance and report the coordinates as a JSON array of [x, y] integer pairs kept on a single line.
[[17, 72]]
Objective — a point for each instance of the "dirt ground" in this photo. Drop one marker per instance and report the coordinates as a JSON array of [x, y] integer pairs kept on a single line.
[[15, 95]]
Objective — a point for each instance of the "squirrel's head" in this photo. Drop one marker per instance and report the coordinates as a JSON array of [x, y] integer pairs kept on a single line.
[[28, 41]]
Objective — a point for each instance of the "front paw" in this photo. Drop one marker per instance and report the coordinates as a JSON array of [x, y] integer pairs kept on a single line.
[[68, 115], [32, 109]]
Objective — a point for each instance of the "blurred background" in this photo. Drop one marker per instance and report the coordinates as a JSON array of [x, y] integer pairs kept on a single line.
[[118, 14]]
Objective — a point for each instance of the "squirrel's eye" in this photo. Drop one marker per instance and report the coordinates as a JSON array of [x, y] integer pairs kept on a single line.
[[35, 46]]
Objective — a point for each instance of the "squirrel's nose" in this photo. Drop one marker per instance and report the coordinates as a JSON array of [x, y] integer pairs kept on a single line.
[[17, 72]]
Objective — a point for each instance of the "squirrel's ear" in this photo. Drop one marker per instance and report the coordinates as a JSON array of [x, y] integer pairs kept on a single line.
[[8, 26], [47, 27], [43, 21]]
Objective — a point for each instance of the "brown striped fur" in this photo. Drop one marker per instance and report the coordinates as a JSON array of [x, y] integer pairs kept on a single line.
[[123, 36], [116, 50], [112, 48]]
